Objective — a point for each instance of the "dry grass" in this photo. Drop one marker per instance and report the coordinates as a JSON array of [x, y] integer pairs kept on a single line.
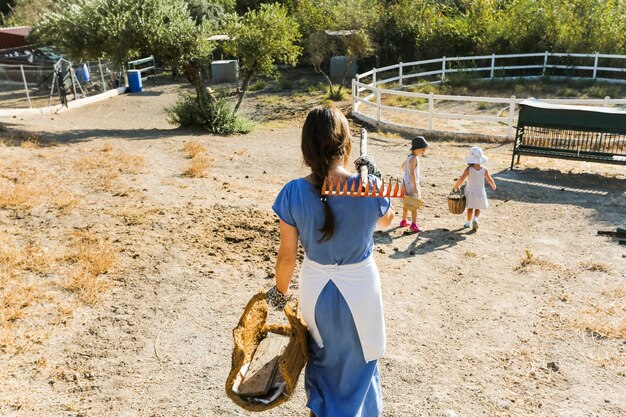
[[107, 147], [112, 161], [90, 256], [193, 148], [20, 193], [65, 201], [605, 314], [530, 260], [595, 266], [198, 166]]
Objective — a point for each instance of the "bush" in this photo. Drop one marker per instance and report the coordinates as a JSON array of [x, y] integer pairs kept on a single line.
[[286, 84], [259, 85], [217, 117]]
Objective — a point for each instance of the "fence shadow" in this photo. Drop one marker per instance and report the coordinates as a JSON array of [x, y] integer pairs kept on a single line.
[[604, 194], [11, 136]]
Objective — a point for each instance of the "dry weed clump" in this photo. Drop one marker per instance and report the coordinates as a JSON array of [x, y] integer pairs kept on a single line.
[[605, 314], [107, 147], [65, 201], [529, 260], [109, 161], [20, 193], [595, 266], [193, 148], [91, 257], [198, 166]]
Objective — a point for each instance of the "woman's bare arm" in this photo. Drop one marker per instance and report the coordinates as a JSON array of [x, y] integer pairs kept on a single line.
[[287, 254]]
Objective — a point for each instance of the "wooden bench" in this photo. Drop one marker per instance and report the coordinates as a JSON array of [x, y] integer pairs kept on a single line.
[[593, 134]]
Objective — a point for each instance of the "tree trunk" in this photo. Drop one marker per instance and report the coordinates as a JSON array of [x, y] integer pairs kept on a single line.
[[244, 89], [328, 80], [193, 72]]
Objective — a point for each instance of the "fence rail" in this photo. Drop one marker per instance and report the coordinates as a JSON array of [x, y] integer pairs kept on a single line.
[[37, 86], [562, 64]]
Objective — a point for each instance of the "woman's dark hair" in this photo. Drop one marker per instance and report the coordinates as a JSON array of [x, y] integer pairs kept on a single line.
[[325, 139]]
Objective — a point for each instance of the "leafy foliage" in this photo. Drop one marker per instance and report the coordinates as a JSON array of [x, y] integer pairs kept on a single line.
[[216, 116], [261, 39], [122, 29]]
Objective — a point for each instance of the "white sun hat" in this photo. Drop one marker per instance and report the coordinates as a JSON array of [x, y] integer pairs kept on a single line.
[[476, 156]]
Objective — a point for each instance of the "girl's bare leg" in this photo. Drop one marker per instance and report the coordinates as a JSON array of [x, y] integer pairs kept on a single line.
[[476, 212], [470, 214], [405, 211], [414, 215]]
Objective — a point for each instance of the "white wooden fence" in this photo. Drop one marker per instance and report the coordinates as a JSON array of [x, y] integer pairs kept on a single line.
[[402, 72]]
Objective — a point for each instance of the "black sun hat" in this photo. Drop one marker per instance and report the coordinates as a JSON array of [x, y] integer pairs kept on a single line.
[[418, 142]]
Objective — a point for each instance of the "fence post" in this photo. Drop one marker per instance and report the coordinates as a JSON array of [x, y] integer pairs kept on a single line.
[[493, 64], [400, 73], [30, 106], [595, 66], [353, 95], [607, 101], [374, 77], [104, 85], [431, 110], [511, 117], [545, 63], [443, 69], [378, 104]]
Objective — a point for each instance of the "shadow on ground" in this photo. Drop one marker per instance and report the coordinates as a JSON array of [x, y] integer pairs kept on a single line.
[[425, 242], [602, 193]]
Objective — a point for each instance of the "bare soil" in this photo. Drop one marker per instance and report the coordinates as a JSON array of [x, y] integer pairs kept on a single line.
[[526, 316]]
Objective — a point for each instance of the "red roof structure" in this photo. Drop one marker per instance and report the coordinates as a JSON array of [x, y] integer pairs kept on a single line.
[[14, 37]]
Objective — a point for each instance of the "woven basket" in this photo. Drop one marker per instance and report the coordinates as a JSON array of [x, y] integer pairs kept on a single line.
[[252, 328], [456, 202], [411, 202]]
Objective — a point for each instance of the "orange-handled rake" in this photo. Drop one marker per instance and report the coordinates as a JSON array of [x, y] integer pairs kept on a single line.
[[394, 188]]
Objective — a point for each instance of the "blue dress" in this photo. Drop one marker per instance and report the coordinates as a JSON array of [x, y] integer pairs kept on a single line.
[[338, 380]]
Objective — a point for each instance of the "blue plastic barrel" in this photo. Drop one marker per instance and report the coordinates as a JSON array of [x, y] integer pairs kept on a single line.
[[82, 72], [134, 81]]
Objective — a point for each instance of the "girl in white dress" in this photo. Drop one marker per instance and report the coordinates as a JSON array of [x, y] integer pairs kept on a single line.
[[475, 194]]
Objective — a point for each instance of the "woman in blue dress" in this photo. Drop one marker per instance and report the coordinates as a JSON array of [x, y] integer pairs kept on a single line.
[[339, 286]]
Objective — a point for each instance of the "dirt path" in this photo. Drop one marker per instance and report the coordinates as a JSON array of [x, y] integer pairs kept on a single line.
[[521, 318]]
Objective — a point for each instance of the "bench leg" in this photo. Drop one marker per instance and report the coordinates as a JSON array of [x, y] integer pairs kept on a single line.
[[513, 160]]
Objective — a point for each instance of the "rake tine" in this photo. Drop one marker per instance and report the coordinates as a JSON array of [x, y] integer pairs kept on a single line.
[[352, 192], [402, 190], [395, 189], [324, 189], [367, 189], [337, 188], [345, 188], [381, 193], [359, 192], [374, 190], [389, 188]]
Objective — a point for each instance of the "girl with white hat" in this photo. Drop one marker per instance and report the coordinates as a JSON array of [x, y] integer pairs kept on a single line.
[[475, 193]]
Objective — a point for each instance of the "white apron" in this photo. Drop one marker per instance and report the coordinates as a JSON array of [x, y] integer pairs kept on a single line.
[[359, 284]]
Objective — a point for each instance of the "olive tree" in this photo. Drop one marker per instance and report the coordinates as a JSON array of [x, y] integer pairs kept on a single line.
[[260, 39], [123, 29], [337, 28]]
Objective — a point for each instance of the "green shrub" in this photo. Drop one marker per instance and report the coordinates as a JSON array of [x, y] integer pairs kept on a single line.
[[258, 85], [337, 95], [483, 105], [286, 84], [217, 117]]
